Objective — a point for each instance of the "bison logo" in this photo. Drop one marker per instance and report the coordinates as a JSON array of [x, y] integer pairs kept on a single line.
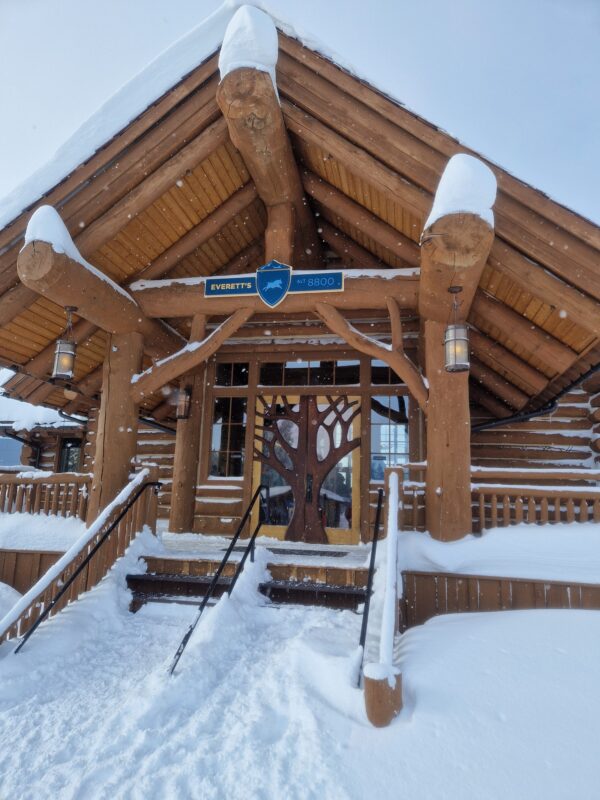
[[273, 282]]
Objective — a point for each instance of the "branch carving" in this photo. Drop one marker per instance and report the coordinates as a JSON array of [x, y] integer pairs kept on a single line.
[[394, 355]]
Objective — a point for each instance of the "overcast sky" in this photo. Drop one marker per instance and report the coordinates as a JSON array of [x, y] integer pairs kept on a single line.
[[516, 80]]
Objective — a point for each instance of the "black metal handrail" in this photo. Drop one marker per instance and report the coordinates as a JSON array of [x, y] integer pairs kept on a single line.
[[365, 619], [45, 613], [213, 584]]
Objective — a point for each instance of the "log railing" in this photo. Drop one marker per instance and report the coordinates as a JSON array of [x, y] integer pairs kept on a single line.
[[501, 506], [512, 497], [63, 494], [88, 560]]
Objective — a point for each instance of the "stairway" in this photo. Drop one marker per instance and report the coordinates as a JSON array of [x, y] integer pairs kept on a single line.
[[187, 579]]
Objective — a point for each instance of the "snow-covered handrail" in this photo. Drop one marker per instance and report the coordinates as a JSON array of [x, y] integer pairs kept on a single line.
[[383, 687], [25, 613], [63, 494]]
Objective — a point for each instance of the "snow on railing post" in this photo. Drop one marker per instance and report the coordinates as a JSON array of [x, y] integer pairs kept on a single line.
[[383, 682]]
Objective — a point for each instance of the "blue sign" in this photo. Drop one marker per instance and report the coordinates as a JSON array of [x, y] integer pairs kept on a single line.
[[273, 282]]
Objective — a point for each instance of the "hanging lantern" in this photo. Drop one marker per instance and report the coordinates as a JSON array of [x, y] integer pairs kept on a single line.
[[456, 346], [184, 402], [64, 354]]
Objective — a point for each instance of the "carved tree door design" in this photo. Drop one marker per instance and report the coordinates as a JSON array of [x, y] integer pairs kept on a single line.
[[299, 443]]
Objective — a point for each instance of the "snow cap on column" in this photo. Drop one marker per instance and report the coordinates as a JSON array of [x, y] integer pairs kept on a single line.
[[467, 186], [250, 41]]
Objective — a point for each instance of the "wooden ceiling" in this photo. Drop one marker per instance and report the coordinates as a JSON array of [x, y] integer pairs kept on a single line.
[[171, 196]]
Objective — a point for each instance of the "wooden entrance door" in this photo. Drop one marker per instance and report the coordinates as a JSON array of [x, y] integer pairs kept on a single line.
[[303, 444]]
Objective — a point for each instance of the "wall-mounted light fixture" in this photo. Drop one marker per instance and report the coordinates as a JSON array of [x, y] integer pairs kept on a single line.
[[64, 353], [456, 340]]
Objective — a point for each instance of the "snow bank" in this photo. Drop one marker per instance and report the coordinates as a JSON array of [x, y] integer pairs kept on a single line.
[[39, 532], [8, 597], [496, 705], [250, 41], [467, 185], [46, 225], [552, 552]]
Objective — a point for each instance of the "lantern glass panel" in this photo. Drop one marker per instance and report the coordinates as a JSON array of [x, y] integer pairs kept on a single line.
[[456, 344], [64, 359]]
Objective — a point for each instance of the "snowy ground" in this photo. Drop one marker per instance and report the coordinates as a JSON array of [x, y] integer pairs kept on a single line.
[[39, 532], [497, 705]]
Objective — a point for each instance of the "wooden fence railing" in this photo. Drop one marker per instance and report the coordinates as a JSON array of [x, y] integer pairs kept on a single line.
[[501, 506], [64, 494], [520, 498], [103, 543]]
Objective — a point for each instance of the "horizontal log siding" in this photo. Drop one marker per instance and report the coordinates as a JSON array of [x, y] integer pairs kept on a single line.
[[561, 440]]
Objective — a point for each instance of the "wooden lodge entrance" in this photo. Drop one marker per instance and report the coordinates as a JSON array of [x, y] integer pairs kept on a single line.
[[307, 450], [318, 426]]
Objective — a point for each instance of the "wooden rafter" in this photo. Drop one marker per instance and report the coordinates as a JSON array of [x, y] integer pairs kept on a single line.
[[556, 355], [503, 361], [362, 219], [251, 108], [393, 356], [189, 357]]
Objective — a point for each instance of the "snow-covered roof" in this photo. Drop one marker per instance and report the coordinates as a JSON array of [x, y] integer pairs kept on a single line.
[[24, 416]]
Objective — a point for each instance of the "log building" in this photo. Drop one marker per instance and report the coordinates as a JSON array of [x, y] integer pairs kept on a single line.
[[191, 357]]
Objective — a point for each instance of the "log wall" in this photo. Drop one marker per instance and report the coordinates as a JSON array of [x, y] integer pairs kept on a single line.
[[560, 440]]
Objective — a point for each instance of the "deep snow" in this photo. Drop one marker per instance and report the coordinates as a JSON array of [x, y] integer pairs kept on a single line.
[[497, 705]]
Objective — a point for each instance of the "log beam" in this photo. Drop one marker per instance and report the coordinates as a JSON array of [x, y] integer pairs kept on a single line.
[[188, 358], [553, 353], [116, 437], [351, 253], [486, 348], [186, 298], [363, 220], [97, 299], [394, 357], [279, 235], [499, 387], [187, 444], [251, 109], [199, 235], [240, 263]]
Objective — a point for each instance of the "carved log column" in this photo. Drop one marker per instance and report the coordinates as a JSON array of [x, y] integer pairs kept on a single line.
[[117, 421], [187, 443], [455, 245]]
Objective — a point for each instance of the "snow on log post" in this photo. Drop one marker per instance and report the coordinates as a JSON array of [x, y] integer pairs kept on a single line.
[[51, 265], [455, 244], [187, 444], [382, 681], [247, 96]]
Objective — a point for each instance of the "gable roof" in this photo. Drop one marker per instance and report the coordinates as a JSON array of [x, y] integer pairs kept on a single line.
[[170, 195]]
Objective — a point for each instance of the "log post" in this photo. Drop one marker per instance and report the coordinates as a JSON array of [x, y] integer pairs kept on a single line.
[[448, 478], [187, 444], [455, 245], [116, 438]]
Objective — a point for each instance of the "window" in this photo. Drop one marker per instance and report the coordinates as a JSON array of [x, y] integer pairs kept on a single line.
[[389, 434], [310, 373], [69, 455], [381, 374], [227, 437], [228, 374]]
